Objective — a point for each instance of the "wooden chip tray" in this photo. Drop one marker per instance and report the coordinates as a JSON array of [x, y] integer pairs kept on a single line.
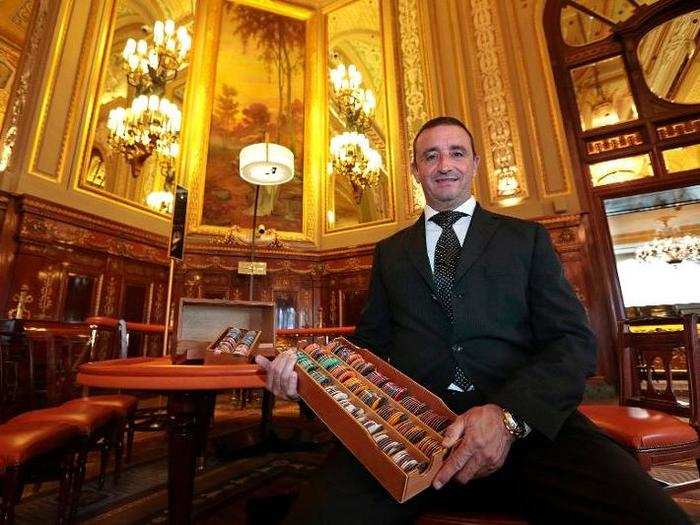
[[358, 440]]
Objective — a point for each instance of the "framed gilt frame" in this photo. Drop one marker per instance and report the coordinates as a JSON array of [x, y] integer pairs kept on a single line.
[[201, 109]]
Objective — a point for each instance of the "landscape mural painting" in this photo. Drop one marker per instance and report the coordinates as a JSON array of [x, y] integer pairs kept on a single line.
[[259, 89]]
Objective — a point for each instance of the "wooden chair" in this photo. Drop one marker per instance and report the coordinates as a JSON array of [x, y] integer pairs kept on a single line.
[[648, 420]]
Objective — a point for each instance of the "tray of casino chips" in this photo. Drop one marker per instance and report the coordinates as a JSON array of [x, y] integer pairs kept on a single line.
[[390, 423], [234, 345]]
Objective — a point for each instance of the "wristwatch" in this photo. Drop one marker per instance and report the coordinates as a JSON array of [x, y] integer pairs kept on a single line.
[[516, 428]]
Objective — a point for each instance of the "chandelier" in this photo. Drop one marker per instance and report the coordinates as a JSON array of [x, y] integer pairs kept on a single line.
[[152, 123], [352, 156], [670, 248], [148, 68]]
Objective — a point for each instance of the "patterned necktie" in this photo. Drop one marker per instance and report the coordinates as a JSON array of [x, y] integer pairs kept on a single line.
[[446, 257]]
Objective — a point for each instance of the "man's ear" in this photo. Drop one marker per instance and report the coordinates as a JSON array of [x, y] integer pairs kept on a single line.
[[476, 161], [414, 170]]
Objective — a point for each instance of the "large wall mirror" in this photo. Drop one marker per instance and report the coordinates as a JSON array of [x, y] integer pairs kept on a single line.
[[132, 177], [14, 23], [656, 242], [670, 58], [359, 183]]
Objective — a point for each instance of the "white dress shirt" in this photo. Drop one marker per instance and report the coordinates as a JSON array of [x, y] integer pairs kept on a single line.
[[433, 231]]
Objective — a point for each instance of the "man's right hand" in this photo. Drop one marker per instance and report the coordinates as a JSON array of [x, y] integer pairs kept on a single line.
[[281, 377]]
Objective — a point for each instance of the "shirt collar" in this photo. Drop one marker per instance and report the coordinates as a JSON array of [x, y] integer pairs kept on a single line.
[[466, 207]]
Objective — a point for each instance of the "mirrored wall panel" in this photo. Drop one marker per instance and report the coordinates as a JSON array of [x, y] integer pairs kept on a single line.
[[14, 22], [358, 172], [670, 58], [603, 93], [656, 241], [138, 116]]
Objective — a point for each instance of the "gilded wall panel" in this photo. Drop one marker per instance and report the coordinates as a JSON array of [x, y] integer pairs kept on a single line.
[[503, 153], [9, 58], [415, 91], [64, 70]]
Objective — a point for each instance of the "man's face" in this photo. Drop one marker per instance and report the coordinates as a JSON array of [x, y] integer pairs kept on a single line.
[[445, 166]]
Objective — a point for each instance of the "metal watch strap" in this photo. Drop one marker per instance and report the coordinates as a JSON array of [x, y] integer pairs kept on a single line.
[[512, 425]]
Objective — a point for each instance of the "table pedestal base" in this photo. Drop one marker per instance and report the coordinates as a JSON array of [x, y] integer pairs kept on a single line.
[[189, 418]]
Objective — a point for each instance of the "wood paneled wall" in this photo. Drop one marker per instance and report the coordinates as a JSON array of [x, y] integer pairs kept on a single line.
[[44, 244]]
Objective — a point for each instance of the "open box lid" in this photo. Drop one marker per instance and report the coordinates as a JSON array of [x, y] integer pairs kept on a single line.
[[204, 319]]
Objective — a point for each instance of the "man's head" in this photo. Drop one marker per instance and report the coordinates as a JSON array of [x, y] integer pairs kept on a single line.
[[444, 162]]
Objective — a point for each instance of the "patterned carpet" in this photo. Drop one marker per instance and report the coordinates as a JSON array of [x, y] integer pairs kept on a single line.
[[234, 481]]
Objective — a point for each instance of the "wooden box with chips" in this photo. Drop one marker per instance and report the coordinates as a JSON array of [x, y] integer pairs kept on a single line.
[[202, 323], [390, 423]]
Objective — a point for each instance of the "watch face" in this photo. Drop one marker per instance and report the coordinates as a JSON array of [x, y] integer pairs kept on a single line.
[[512, 424]]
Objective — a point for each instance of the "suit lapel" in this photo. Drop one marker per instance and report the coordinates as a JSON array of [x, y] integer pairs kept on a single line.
[[418, 253], [481, 229]]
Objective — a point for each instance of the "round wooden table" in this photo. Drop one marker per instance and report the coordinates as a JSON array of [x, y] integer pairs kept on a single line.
[[191, 390]]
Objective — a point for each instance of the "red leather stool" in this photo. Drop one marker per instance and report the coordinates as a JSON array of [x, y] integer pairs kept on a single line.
[[97, 426], [126, 406], [36, 451]]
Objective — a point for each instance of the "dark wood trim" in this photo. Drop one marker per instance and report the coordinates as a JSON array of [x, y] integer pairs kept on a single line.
[[652, 112]]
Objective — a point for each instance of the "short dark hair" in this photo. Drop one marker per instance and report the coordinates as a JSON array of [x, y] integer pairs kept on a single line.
[[443, 121]]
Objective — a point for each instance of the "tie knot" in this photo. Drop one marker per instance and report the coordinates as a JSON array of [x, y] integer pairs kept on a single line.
[[446, 219]]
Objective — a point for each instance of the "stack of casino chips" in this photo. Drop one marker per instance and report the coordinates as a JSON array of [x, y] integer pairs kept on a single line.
[[392, 415], [435, 421], [398, 453], [413, 405], [395, 391], [429, 446], [243, 346], [228, 342], [377, 379], [305, 362], [412, 432], [236, 342]]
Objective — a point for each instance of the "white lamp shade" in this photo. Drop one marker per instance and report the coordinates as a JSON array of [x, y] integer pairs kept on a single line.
[[266, 164]]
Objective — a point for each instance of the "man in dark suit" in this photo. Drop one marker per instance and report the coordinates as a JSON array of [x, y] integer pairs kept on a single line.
[[475, 306]]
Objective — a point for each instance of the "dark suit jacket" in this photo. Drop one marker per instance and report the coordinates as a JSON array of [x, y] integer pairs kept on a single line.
[[520, 333]]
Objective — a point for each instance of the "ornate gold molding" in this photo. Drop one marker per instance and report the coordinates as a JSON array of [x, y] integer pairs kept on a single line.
[[8, 140], [11, 57], [56, 53], [75, 108], [497, 110], [554, 113], [415, 91]]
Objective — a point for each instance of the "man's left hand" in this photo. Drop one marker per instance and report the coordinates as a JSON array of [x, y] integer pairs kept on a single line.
[[483, 449]]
